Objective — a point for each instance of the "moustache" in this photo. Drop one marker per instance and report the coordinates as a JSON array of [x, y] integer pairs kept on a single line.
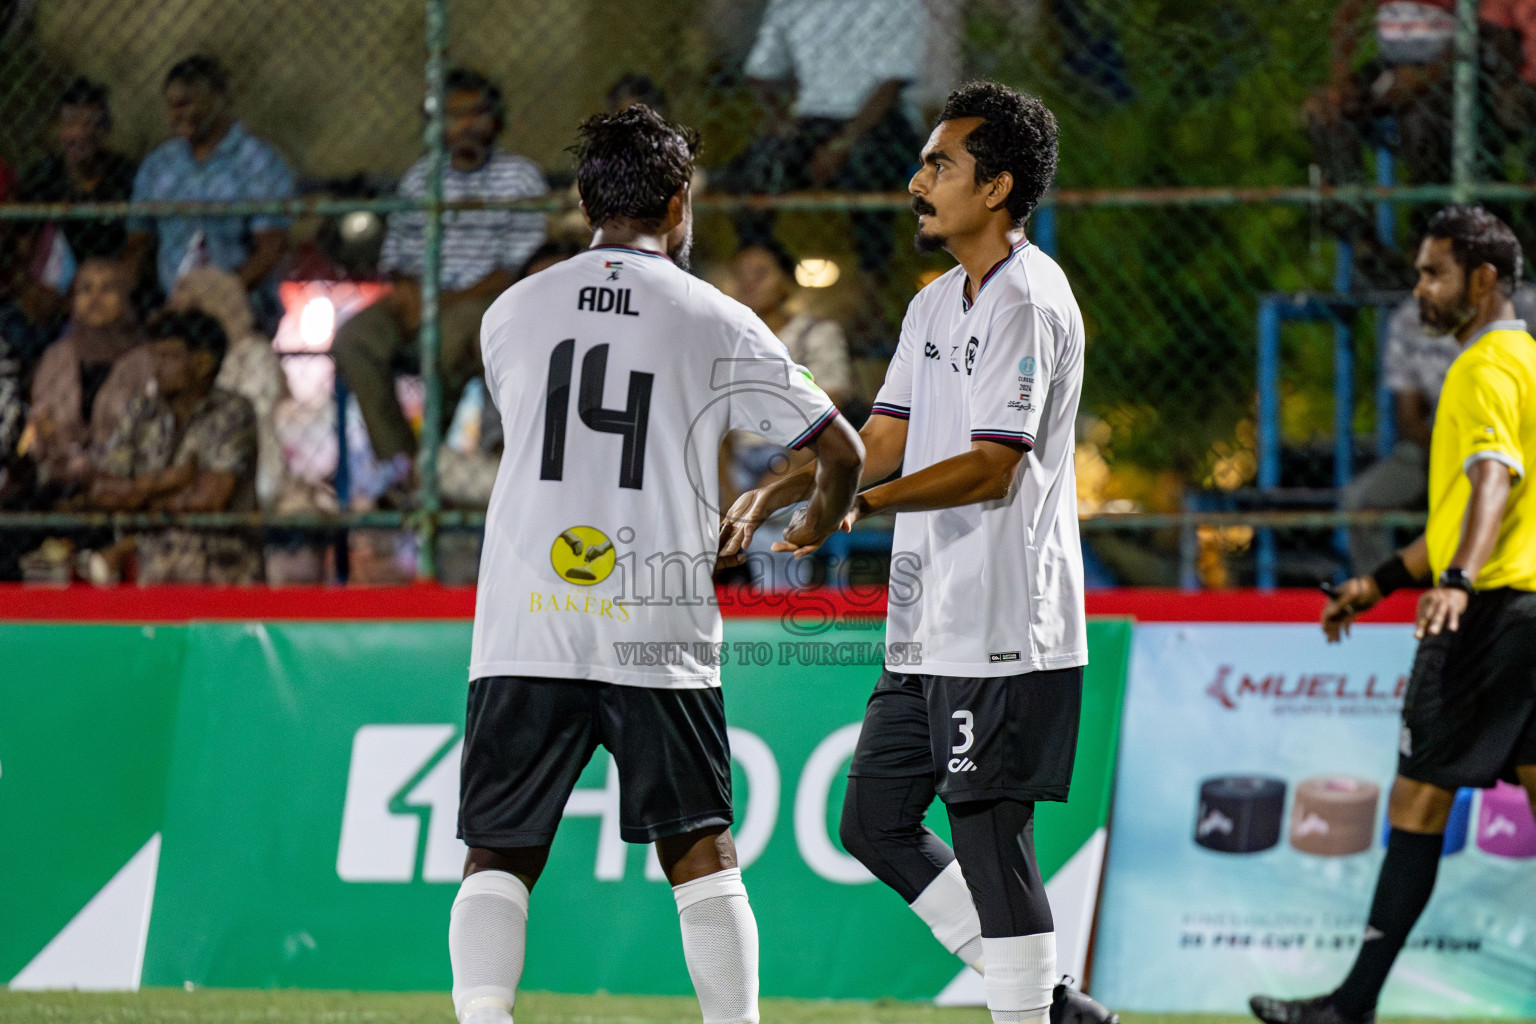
[[922, 206]]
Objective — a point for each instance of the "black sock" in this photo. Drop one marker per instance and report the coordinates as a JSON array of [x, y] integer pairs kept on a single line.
[[1402, 889]]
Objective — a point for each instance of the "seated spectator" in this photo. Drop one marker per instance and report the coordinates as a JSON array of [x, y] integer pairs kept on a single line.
[[1413, 369], [765, 283], [212, 158], [482, 253], [30, 315], [82, 169], [849, 62], [86, 379], [1404, 96], [251, 368], [191, 447]]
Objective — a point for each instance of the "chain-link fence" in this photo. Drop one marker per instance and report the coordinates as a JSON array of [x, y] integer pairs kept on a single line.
[[1239, 195]]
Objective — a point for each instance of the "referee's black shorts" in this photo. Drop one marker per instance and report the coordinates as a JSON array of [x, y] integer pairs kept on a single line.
[[526, 741], [1469, 717], [1010, 737]]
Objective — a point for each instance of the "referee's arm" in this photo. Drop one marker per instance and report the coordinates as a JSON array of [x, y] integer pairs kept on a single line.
[[1441, 608]]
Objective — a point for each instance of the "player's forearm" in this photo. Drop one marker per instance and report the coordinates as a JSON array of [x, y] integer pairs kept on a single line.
[[964, 479], [1485, 511]]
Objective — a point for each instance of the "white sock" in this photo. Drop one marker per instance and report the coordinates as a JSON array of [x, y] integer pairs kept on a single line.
[[720, 945], [947, 909], [487, 937], [1021, 975]]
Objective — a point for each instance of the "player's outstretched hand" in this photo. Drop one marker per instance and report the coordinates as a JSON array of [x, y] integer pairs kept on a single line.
[[1346, 601], [1440, 610], [739, 524], [859, 511], [800, 536]]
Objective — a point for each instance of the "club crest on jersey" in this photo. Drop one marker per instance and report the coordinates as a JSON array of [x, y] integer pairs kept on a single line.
[[970, 355], [582, 555]]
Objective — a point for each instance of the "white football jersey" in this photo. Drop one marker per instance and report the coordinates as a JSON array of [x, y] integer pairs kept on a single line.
[[994, 588], [617, 375]]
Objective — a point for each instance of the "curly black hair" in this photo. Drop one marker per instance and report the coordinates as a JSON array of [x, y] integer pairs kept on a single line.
[[196, 330], [1478, 237], [1018, 134], [631, 164]]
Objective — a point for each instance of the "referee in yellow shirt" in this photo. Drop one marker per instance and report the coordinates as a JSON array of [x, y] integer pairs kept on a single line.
[[1469, 717]]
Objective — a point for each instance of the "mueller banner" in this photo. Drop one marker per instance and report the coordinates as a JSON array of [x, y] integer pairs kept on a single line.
[[1249, 820], [273, 804]]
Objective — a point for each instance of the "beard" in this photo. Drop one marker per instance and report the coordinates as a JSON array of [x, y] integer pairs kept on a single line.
[[922, 241], [929, 243], [1443, 320], [684, 251]]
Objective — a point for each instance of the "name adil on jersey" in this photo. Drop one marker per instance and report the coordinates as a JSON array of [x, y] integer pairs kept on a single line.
[[605, 300]]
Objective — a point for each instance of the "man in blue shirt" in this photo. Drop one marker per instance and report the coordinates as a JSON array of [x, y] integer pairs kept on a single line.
[[212, 158]]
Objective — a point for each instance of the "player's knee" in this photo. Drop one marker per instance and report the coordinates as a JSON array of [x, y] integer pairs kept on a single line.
[[1419, 806], [525, 862], [854, 834]]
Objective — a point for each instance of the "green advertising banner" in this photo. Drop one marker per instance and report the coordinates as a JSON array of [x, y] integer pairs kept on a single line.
[[249, 805]]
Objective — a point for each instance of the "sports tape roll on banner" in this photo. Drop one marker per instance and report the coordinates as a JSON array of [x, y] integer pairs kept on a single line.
[[1504, 824], [1240, 813], [1334, 815]]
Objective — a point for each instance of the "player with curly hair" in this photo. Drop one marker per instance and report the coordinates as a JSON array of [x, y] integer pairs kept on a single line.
[[977, 412]]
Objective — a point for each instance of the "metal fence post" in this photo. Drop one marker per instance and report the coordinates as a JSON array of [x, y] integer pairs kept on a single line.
[[431, 267], [1464, 125]]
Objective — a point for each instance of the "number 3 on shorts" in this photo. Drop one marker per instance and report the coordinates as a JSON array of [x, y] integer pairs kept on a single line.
[[964, 720]]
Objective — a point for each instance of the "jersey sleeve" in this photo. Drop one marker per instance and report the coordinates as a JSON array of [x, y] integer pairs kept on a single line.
[[1482, 405], [1011, 376], [771, 395], [895, 395]]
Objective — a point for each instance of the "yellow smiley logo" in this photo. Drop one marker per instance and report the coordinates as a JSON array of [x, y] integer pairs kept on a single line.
[[582, 555]]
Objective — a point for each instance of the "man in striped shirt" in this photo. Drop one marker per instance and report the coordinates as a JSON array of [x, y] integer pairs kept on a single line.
[[482, 253]]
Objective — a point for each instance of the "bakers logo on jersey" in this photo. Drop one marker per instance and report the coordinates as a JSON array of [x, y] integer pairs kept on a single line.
[[930, 350]]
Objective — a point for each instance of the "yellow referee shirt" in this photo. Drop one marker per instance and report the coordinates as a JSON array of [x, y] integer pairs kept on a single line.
[[1487, 410]]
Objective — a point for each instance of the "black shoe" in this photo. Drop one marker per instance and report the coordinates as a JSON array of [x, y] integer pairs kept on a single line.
[[1069, 1006], [1318, 1010]]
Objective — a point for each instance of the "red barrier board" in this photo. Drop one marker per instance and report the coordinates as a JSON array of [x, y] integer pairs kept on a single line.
[[428, 601]]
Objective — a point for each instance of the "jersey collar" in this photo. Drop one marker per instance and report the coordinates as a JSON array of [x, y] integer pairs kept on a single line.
[[966, 304], [638, 252]]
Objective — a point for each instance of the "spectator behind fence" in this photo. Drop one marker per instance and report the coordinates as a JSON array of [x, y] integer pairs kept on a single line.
[[191, 447], [86, 379], [250, 369], [1413, 369], [765, 284], [30, 317], [81, 169], [850, 62], [1403, 98], [482, 252], [212, 159]]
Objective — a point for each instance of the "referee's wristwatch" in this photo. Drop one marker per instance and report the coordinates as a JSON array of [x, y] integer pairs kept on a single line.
[[1459, 579]]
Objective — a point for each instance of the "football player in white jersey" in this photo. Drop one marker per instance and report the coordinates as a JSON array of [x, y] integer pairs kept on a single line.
[[594, 621], [977, 411]]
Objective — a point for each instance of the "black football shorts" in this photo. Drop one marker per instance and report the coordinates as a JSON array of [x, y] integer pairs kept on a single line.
[[526, 741], [1010, 737], [1469, 716]]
